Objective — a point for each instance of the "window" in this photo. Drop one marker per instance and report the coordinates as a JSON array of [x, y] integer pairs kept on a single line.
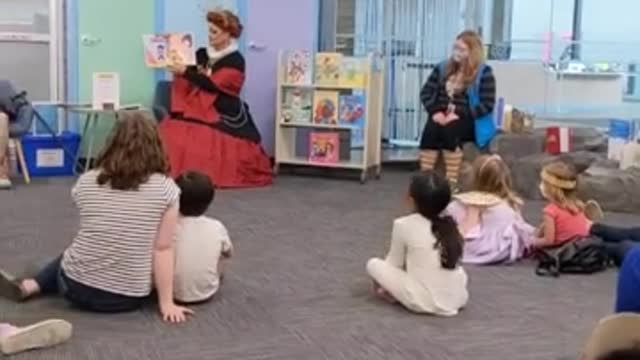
[[28, 43], [541, 29]]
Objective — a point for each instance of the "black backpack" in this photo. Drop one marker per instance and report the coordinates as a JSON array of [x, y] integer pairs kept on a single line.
[[579, 256]]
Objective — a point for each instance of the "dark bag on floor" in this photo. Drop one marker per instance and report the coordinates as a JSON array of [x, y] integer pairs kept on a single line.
[[580, 256]]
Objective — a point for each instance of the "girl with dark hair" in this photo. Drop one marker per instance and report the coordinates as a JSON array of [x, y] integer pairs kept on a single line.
[[421, 270]]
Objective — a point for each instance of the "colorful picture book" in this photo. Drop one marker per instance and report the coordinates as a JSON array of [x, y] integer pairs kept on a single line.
[[299, 67], [327, 68], [162, 50], [302, 142], [324, 147], [297, 105], [352, 113], [325, 107], [353, 72]]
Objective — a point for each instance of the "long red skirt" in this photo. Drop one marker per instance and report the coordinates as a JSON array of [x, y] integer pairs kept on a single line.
[[229, 161]]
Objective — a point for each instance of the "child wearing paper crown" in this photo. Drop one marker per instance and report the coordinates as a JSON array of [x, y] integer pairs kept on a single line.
[[566, 217]]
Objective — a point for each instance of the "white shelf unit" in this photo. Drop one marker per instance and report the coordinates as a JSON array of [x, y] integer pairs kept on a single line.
[[366, 159]]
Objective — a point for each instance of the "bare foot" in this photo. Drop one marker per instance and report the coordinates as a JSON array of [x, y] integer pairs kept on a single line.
[[383, 294]]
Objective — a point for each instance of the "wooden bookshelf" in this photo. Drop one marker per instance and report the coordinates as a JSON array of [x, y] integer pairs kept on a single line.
[[365, 159]]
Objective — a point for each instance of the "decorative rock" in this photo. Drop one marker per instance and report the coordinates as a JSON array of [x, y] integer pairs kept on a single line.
[[616, 190], [465, 177], [589, 139], [512, 147], [606, 163], [526, 174], [582, 160], [470, 152]]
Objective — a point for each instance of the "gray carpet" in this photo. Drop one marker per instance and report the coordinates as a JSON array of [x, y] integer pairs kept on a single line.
[[297, 288]]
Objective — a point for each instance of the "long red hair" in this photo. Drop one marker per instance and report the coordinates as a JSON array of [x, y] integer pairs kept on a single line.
[[472, 63]]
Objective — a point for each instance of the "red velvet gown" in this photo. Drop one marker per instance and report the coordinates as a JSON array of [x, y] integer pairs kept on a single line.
[[205, 130]]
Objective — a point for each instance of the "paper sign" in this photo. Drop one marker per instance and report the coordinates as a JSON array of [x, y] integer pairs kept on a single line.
[[106, 91], [49, 158]]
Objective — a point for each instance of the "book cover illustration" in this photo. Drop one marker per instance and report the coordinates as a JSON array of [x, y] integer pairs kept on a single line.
[[353, 72], [327, 71], [297, 106], [325, 107], [352, 113], [181, 49], [298, 67], [324, 147], [155, 50], [161, 50]]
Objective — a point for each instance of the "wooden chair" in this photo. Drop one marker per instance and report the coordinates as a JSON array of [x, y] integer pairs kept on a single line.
[[22, 163]]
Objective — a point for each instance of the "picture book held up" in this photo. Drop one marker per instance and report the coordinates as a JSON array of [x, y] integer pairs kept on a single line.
[[324, 147], [325, 107], [162, 50]]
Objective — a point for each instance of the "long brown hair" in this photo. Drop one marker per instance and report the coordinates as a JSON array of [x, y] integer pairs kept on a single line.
[[492, 175], [476, 55], [559, 185], [133, 152]]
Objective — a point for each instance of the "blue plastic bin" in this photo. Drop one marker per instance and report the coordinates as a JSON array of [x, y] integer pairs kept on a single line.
[[45, 155]]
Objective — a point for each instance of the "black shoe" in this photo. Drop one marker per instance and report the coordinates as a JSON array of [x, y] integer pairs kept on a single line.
[[10, 287]]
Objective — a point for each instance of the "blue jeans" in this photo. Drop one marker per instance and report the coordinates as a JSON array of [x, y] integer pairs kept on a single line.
[[618, 241], [53, 280]]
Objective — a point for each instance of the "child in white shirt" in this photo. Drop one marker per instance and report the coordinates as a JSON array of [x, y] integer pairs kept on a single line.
[[201, 242]]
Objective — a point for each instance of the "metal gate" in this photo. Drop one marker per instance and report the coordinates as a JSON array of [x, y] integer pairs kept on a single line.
[[413, 36]]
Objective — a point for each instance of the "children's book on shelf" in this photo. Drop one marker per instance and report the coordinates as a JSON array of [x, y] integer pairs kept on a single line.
[[162, 50], [297, 105], [327, 69], [298, 67], [352, 113], [353, 72], [302, 142], [325, 107], [324, 147]]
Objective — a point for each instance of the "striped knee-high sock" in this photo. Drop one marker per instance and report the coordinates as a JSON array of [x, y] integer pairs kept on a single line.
[[452, 161], [428, 159]]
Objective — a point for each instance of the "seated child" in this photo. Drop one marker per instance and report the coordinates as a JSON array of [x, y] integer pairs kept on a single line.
[[40, 335], [489, 217], [422, 270], [200, 242], [567, 218]]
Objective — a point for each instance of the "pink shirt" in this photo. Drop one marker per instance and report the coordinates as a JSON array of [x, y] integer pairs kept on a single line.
[[567, 225]]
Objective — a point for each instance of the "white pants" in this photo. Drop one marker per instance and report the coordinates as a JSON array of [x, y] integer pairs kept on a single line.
[[409, 292]]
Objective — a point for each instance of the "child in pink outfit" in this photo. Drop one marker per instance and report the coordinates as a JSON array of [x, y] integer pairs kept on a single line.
[[489, 217]]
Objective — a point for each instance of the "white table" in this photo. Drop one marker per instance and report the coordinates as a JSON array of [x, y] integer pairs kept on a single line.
[[91, 125]]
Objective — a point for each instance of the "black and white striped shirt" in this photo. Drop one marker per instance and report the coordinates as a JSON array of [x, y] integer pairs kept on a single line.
[[113, 250]]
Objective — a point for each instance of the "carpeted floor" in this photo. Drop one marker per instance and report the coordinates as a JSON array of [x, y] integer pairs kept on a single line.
[[297, 288]]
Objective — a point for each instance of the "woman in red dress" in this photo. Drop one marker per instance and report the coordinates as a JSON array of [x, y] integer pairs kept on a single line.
[[209, 128]]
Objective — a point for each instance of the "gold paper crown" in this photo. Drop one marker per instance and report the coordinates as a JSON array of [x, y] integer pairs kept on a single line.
[[555, 181]]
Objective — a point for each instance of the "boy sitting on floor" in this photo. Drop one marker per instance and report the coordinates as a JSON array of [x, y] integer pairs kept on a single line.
[[200, 242]]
